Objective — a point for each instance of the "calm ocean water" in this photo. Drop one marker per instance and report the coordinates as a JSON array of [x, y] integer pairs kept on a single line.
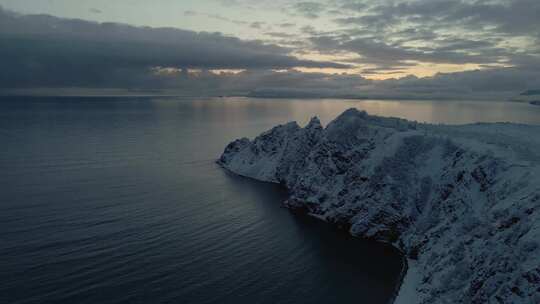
[[118, 200]]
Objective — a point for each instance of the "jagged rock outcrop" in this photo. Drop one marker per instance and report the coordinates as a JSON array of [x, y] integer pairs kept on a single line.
[[462, 201]]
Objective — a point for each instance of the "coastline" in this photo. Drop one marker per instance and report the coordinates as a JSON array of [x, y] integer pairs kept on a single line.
[[406, 286], [406, 292]]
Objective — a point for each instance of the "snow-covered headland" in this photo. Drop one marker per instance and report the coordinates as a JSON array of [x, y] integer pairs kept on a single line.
[[462, 202]]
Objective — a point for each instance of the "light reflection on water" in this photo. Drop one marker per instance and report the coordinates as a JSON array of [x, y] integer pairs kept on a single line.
[[446, 112]]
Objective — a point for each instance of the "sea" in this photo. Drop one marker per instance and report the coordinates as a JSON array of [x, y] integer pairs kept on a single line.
[[119, 200]]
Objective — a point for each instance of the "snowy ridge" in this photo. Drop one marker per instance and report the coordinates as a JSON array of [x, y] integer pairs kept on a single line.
[[463, 202]]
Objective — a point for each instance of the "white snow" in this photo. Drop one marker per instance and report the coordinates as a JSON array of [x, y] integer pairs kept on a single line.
[[463, 202], [407, 292]]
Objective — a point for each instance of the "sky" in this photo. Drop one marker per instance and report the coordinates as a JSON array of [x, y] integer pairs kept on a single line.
[[409, 48]]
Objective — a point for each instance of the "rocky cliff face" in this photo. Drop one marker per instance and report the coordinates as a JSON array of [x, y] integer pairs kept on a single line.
[[462, 201]]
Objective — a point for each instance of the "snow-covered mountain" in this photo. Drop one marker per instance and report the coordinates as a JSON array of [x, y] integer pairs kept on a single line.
[[462, 202]]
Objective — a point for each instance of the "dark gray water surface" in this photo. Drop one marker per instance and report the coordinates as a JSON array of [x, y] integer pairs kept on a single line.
[[120, 201]]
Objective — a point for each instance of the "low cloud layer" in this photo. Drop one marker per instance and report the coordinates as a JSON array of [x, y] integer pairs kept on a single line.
[[493, 84], [40, 50]]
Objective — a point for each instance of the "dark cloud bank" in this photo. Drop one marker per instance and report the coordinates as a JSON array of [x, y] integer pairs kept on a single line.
[[40, 51]]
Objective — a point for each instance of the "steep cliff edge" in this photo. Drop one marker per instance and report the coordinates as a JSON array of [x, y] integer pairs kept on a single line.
[[463, 202]]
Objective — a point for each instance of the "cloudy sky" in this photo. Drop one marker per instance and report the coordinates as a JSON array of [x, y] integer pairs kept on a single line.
[[378, 48]]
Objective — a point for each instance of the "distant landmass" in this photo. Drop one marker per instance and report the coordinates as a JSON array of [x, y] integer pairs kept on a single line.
[[371, 94], [530, 96], [535, 94], [530, 93]]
